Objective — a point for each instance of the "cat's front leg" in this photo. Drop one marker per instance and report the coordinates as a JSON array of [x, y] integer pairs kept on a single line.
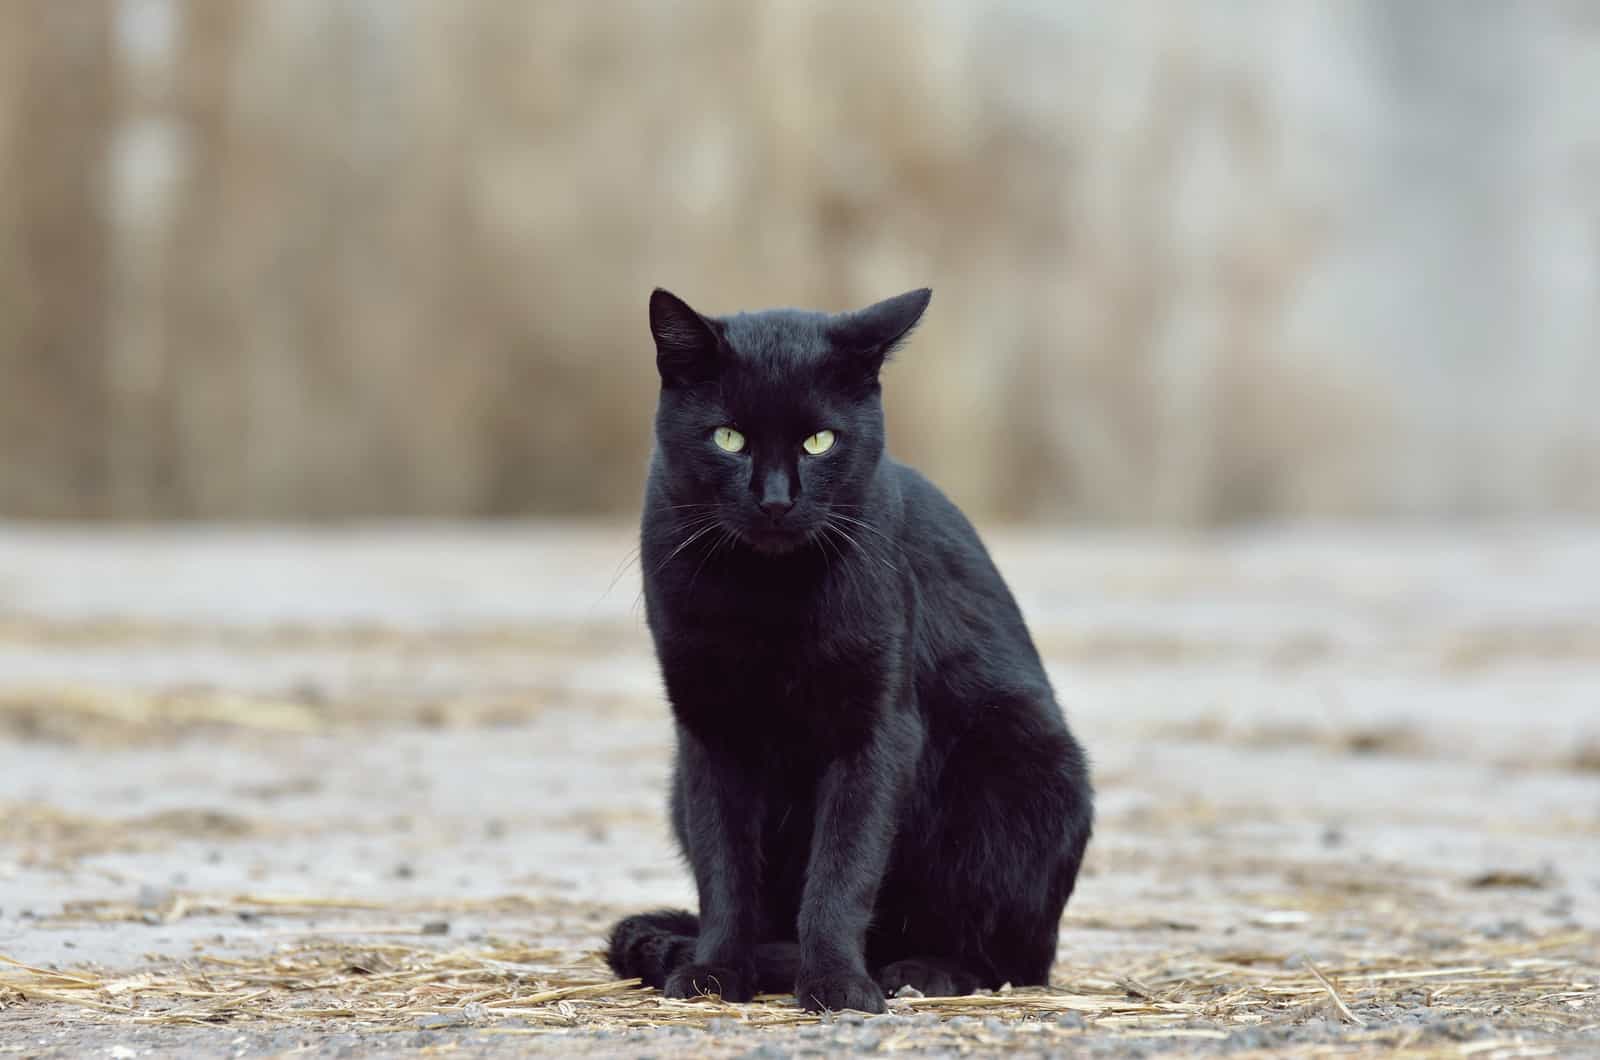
[[849, 853], [722, 808]]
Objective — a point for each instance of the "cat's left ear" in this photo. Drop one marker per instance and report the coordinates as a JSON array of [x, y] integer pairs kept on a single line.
[[868, 336], [687, 346]]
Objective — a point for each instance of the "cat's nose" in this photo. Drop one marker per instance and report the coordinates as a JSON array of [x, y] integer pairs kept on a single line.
[[776, 508], [775, 494]]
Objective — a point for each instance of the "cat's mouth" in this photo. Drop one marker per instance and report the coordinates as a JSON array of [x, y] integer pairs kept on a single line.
[[773, 541]]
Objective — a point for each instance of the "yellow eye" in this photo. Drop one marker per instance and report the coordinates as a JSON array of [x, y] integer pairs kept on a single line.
[[728, 439], [818, 443]]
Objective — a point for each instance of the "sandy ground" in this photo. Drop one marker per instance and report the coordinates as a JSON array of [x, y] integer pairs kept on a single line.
[[368, 790]]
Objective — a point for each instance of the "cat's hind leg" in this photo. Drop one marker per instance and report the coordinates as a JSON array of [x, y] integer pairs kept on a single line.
[[651, 946], [986, 875]]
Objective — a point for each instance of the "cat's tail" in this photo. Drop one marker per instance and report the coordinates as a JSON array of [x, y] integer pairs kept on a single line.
[[651, 946]]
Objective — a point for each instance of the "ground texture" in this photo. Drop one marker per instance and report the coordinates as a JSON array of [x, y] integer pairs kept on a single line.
[[368, 791]]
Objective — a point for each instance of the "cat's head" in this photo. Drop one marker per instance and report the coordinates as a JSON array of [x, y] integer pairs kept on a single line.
[[772, 422]]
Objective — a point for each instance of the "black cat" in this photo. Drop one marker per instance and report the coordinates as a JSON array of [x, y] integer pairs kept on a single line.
[[874, 785]]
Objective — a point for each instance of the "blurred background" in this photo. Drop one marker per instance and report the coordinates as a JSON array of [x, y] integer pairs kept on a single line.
[[1193, 263], [325, 400]]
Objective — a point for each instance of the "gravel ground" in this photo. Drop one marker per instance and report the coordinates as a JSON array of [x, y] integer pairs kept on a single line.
[[247, 777]]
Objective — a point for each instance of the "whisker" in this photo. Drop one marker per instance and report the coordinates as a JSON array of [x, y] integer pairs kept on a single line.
[[863, 525], [853, 570], [722, 539], [691, 539], [865, 551], [622, 568], [893, 545], [852, 575], [697, 521], [820, 539]]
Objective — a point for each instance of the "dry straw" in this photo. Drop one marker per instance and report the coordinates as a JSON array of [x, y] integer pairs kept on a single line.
[[1541, 987]]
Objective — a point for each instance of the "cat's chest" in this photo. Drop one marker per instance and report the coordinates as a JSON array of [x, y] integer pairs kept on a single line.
[[725, 600], [760, 663], [773, 652]]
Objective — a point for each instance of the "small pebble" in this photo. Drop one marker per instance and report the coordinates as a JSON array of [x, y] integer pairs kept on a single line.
[[153, 897], [437, 1020]]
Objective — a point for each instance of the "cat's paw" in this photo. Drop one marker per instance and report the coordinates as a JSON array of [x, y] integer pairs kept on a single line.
[[834, 991], [704, 980], [930, 978]]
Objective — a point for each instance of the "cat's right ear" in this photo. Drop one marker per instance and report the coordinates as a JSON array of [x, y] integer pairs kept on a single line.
[[868, 336], [687, 346]]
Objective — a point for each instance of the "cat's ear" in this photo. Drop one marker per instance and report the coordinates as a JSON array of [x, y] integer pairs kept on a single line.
[[687, 346], [868, 336]]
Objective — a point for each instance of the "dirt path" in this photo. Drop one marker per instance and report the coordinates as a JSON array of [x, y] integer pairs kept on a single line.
[[352, 792]]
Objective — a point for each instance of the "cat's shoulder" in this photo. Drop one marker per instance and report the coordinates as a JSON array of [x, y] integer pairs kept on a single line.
[[919, 493], [929, 514]]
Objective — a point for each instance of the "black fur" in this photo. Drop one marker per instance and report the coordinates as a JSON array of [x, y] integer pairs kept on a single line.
[[874, 785]]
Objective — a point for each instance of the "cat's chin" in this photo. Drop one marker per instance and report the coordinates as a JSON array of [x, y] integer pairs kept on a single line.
[[772, 542]]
